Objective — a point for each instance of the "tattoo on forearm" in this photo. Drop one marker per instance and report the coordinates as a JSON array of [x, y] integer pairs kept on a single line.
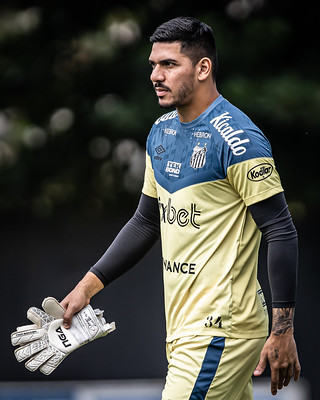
[[282, 320]]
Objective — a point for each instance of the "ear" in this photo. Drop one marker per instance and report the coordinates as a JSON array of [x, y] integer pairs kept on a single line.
[[204, 68]]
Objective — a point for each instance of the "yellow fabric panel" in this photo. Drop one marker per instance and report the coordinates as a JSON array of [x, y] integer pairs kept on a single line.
[[210, 253], [255, 179], [149, 185]]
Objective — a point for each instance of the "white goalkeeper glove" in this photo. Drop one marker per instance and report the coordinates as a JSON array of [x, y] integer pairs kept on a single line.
[[46, 343]]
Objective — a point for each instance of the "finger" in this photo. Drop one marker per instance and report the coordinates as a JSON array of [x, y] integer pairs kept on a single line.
[[67, 318], [38, 317], [73, 306], [288, 376], [64, 303], [297, 371], [24, 352], [261, 366], [53, 362], [35, 362], [52, 307], [282, 377], [274, 381], [23, 336]]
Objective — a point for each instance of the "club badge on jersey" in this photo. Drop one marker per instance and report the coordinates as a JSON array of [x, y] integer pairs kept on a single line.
[[198, 158]]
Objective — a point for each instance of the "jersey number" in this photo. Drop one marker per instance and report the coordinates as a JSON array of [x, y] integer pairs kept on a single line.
[[210, 322]]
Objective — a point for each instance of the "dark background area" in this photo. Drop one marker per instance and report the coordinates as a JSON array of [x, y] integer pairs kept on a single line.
[[76, 105]]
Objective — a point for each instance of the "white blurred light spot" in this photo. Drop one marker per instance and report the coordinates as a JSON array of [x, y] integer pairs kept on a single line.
[[106, 105], [124, 151], [7, 155], [99, 147], [129, 154], [241, 9], [34, 137], [61, 120], [14, 23], [125, 32], [29, 19]]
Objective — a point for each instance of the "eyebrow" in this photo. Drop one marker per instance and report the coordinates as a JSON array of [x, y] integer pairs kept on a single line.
[[164, 61]]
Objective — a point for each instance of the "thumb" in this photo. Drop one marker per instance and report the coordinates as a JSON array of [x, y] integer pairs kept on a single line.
[[261, 366], [70, 309], [67, 317]]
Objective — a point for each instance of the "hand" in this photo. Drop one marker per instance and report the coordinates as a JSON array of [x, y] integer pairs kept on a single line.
[[75, 301], [281, 352], [80, 297], [45, 343]]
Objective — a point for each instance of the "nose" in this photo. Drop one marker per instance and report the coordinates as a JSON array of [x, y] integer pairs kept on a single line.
[[157, 74]]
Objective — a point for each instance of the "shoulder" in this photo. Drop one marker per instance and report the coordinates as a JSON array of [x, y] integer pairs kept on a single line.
[[166, 124], [166, 117], [237, 134]]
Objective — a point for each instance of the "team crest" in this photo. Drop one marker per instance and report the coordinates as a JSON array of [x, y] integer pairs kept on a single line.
[[198, 158]]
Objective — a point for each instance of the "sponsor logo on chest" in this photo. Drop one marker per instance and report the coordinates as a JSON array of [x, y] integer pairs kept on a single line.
[[173, 168], [182, 216], [159, 150]]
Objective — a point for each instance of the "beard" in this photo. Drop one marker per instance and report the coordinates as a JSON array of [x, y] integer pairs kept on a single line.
[[182, 98]]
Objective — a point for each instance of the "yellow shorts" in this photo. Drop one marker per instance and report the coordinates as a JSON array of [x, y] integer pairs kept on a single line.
[[211, 368]]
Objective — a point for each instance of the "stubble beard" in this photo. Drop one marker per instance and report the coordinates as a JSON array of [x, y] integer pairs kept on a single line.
[[182, 98]]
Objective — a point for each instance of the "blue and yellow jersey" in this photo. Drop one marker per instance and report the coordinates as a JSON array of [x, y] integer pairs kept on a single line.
[[205, 174]]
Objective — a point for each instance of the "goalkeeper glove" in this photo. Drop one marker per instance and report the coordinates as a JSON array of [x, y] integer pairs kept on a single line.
[[46, 343]]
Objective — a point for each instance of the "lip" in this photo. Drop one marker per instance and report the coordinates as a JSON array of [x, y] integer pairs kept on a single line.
[[161, 92]]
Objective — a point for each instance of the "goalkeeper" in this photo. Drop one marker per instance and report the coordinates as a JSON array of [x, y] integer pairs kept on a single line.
[[210, 187]]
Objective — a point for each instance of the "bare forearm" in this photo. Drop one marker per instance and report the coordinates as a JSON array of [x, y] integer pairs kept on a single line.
[[90, 284], [280, 350], [282, 321]]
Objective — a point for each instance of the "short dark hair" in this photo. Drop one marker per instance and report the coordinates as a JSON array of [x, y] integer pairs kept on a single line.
[[196, 38]]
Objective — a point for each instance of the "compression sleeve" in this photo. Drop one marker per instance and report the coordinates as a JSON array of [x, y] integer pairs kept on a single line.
[[273, 218], [134, 240]]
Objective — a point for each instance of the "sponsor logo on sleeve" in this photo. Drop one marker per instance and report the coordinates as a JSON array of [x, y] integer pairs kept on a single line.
[[167, 116], [232, 137], [260, 172]]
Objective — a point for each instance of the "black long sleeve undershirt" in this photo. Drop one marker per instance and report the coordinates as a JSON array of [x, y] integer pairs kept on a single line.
[[133, 241], [271, 216]]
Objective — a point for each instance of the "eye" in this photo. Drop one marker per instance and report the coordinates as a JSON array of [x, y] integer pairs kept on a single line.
[[169, 63]]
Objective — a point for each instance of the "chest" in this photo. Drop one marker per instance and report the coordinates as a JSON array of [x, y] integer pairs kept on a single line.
[[184, 157]]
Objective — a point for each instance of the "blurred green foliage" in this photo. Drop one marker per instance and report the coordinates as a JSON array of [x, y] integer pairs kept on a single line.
[[76, 102]]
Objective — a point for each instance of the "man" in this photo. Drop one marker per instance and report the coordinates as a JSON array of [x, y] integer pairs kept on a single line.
[[211, 175]]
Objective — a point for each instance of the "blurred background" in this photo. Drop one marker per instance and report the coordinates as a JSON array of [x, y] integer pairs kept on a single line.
[[76, 106]]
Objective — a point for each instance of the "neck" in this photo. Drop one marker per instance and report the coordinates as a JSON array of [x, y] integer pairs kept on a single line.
[[199, 104]]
